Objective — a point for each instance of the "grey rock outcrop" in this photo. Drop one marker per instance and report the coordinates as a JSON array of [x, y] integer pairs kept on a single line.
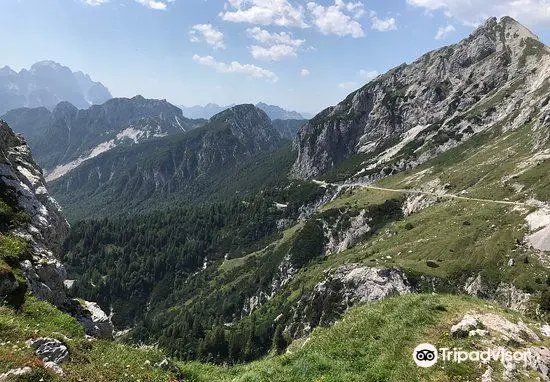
[[416, 111], [18, 171], [505, 294], [12, 374], [49, 350], [96, 323], [45, 231], [341, 289], [340, 240], [465, 326], [498, 333]]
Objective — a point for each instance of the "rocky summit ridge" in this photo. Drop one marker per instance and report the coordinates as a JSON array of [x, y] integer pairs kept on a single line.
[[498, 75]]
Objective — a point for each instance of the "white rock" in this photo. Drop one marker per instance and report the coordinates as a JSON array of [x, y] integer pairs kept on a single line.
[[488, 375], [8, 376], [465, 326]]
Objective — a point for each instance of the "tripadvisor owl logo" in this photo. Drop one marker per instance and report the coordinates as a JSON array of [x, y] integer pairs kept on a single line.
[[425, 355]]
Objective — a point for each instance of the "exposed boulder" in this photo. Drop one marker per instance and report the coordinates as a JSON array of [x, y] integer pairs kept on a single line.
[[96, 323], [12, 374], [45, 279], [465, 326], [49, 349]]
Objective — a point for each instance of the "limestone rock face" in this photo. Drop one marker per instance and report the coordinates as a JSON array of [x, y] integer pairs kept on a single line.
[[45, 231], [96, 323], [416, 111], [348, 285], [47, 228], [49, 350]]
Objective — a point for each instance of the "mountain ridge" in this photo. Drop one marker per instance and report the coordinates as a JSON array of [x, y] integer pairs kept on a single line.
[[425, 98], [209, 110], [172, 165], [67, 136]]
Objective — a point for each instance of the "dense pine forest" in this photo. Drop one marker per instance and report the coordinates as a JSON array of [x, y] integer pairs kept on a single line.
[[138, 267]]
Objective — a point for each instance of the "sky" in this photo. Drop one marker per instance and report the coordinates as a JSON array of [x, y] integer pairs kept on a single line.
[[302, 55]]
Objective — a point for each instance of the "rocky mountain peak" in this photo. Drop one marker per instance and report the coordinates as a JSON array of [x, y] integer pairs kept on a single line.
[[64, 107], [250, 125], [47, 64], [240, 112], [462, 89]]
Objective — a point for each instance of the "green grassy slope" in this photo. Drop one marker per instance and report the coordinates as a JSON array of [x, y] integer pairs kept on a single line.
[[368, 344]]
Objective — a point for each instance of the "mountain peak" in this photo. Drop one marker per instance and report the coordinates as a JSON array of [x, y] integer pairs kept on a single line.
[[486, 75], [46, 84], [64, 107], [7, 71], [507, 31], [238, 112], [48, 64]]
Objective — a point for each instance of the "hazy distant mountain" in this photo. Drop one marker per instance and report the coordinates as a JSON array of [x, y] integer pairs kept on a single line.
[[276, 112], [206, 111], [46, 84], [273, 112]]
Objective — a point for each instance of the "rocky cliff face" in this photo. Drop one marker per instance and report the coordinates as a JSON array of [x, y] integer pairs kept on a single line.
[[498, 75], [47, 227], [44, 229], [341, 289]]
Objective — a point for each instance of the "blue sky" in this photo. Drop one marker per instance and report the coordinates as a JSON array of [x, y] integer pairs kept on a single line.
[[302, 55]]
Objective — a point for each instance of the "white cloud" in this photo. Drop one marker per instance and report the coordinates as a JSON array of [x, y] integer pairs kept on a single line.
[[264, 12], [236, 68], [304, 72], [339, 19], [274, 46], [368, 75], [348, 85], [474, 12], [154, 4], [93, 3], [208, 34], [272, 53], [383, 25], [266, 37], [443, 32]]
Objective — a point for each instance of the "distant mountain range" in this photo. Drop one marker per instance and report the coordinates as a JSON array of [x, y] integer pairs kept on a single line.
[[183, 165], [66, 137], [211, 109], [46, 84]]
